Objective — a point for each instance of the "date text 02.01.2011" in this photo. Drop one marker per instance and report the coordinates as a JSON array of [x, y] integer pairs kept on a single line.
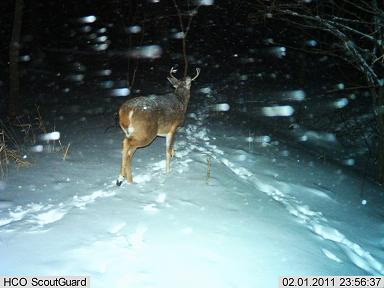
[[331, 281]]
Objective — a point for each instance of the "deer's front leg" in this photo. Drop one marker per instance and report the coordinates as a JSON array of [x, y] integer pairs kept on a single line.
[[170, 140]]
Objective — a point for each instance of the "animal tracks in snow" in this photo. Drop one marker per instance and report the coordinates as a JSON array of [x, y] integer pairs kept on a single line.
[[40, 214], [315, 221]]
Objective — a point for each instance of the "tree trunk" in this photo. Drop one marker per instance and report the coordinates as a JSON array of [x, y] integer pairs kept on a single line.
[[14, 100], [378, 100], [380, 129]]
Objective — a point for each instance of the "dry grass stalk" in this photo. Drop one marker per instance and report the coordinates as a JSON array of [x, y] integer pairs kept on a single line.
[[8, 156], [40, 121], [209, 168], [27, 129], [66, 151], [34, 128], [3, 157]]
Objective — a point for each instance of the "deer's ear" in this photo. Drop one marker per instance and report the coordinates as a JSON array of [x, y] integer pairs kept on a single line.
[[173, 81]]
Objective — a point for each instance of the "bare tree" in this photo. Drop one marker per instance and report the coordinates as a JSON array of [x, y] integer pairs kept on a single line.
[[133, 17], [355, 30], [14, 51], [184, 30]]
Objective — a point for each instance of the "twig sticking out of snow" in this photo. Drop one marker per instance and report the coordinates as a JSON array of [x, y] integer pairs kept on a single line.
[[66, 152], [209, 168]]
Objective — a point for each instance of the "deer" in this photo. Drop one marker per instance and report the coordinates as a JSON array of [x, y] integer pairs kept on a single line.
[[144, 118]]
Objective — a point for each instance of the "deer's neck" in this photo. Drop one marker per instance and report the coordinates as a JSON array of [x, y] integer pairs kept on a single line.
[[183, 95]]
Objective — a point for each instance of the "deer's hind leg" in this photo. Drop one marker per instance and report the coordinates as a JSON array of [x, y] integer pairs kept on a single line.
[[141, 132], [126, 162], [128, 166]]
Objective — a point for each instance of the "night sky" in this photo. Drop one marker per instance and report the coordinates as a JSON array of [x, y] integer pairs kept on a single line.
[[222, 36], [73, 51]]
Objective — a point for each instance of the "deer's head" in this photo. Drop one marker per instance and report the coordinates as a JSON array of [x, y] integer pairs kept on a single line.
[[183, 82]]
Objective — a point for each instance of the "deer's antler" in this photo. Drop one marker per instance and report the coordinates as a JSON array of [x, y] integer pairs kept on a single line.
[[197, 74], [173, 70]]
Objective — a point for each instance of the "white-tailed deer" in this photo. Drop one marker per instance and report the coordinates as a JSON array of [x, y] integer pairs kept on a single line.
[[144, 118]]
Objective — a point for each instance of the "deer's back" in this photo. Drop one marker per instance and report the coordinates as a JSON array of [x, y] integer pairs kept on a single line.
[[155, 112]]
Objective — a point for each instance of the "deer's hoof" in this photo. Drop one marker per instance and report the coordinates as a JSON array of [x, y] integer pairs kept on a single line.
[[119, 180]]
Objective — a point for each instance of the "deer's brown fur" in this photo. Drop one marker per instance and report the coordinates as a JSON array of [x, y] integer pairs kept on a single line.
[[144, 118]]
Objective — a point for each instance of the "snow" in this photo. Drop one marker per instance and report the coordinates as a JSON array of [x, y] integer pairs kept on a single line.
[[148, 51], [50, 136], [119, 92], [87, 19], [104, 72], [311, 43], [221, 107], [278, 52], [178, 35], [274, 111], [244, 220], [76, 77], [101, 38], [85, 28], [37, 148], [204, 2], [295, 95], [341, 103], [134, 29], [101, 47]]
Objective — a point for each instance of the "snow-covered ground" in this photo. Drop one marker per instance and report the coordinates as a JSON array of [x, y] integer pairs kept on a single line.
[[233, 212]]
